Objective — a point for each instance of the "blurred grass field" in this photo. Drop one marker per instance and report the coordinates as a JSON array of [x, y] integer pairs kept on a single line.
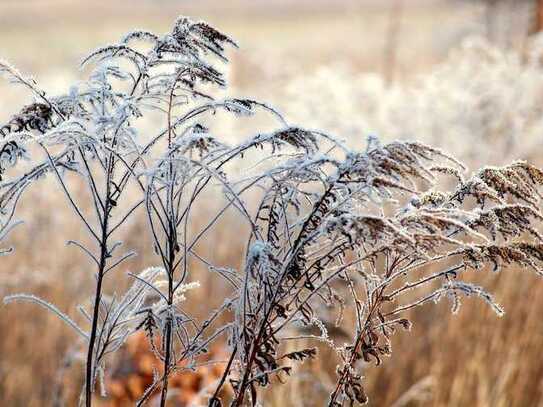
[[471, 359], [50, 37]]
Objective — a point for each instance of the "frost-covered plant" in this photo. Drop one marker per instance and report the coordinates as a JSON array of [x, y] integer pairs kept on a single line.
[[373, 230], [84, 136], [92, 132]]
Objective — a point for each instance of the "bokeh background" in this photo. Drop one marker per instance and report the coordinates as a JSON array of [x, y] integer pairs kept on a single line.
[[463, 75]]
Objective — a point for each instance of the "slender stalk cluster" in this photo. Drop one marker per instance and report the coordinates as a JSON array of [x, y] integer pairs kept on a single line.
[[378, 231]]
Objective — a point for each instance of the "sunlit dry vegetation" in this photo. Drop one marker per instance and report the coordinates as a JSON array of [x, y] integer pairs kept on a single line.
[[208, 227]]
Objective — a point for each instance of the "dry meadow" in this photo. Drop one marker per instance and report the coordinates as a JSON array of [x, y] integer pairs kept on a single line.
[[333, 65]]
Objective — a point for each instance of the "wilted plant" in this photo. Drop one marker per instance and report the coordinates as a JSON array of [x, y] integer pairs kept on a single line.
[[375, 231]]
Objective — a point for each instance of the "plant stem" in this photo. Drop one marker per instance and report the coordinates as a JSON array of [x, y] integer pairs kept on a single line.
[[104, 254], [168, 341], [167, 357], [97, 299], [172, 245]]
